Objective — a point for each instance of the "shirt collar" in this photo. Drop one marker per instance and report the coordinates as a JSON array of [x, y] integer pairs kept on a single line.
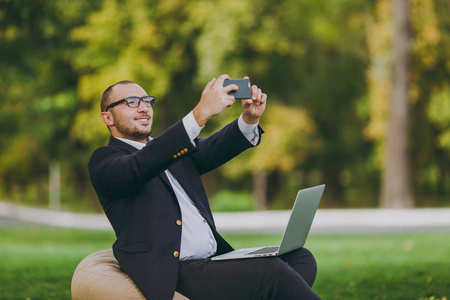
[[135, 144]]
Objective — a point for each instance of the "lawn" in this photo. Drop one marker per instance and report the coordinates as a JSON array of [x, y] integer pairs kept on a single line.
[[38, 262]]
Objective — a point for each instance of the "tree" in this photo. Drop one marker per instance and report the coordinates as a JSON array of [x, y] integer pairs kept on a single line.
[[396, 185], [427, 163], [37, 92], [295, 51], [310, 56]]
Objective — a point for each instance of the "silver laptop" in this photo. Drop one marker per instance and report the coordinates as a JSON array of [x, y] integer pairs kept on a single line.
[[297, 230]]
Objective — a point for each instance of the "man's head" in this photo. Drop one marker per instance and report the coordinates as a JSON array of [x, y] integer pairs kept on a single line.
[[122, 120]]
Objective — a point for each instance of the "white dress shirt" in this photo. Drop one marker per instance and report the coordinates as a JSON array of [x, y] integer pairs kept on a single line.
[[197, 239]]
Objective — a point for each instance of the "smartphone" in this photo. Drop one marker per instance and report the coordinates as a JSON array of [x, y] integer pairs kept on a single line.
[[244, 91]]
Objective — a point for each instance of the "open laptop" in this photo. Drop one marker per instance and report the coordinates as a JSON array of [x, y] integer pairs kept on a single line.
[[297, 230]]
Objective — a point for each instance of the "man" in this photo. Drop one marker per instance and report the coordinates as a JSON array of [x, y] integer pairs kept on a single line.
[[151, 192]]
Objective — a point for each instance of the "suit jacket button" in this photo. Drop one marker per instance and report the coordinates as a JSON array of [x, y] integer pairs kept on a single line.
[[174, 156], [178, 154], [176, 253], [179, 222], [185, 150]]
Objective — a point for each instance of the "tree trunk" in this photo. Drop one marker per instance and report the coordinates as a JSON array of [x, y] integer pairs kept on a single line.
[[260, 190], [54, 185], [396, 186], [335, 190]]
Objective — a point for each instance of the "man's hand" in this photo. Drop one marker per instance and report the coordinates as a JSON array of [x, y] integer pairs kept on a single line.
[[214, 99], [253, 108]]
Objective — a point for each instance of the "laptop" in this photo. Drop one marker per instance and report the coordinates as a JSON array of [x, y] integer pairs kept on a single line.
[[297, 230]]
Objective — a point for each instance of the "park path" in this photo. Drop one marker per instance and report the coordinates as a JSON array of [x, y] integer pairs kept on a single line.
[[327, 221]]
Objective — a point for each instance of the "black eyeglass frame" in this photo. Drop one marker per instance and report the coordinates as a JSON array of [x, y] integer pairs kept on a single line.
[[149, 103]]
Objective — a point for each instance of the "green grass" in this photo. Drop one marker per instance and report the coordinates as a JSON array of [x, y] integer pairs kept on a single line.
[[38, 262], [394, 266]]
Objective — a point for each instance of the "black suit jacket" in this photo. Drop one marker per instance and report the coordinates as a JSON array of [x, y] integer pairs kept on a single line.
[[141, 205]]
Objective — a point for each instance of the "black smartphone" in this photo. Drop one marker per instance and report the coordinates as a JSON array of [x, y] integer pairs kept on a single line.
[[244, 91]]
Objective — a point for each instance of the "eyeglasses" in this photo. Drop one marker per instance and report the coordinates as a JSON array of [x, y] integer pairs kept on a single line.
[[134, 102]]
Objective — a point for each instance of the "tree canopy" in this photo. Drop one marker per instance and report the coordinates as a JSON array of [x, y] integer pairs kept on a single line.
[[326, 67]]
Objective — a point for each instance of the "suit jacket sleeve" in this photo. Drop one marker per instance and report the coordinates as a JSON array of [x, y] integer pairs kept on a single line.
[[116, 172]]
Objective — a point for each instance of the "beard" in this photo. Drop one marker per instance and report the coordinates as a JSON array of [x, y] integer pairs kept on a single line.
[[133, 131]]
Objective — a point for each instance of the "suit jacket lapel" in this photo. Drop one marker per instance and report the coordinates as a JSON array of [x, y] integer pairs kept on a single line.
[[165, 179], [178, 172]]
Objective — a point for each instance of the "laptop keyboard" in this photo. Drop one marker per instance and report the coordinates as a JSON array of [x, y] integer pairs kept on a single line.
[[264, 250]]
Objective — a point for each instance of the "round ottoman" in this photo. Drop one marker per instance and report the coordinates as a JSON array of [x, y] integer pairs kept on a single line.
[[99, 277]]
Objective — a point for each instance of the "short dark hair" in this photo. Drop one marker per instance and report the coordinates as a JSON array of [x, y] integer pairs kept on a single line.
[[107, 93]]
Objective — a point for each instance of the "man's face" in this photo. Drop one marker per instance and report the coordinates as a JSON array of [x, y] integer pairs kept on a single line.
[[130, 123]]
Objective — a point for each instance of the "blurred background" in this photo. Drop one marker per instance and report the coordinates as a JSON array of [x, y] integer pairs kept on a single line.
[[359, 95]]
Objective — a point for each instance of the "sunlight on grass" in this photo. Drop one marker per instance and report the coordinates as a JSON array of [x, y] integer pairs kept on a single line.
[[38, 262]]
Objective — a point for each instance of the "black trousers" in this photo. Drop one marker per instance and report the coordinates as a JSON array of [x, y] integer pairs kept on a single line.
[[290, 276]]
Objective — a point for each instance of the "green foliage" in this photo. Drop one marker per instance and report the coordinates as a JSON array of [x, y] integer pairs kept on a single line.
[[429, 93], [439, 113], [229, 201], [321, 64], [37, 88]]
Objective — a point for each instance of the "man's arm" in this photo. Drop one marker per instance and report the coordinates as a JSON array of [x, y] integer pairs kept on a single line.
[[252, 109], [220, 147], [112, 170], [214, 100], [117, 170], [250, 131], [228, 142]]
